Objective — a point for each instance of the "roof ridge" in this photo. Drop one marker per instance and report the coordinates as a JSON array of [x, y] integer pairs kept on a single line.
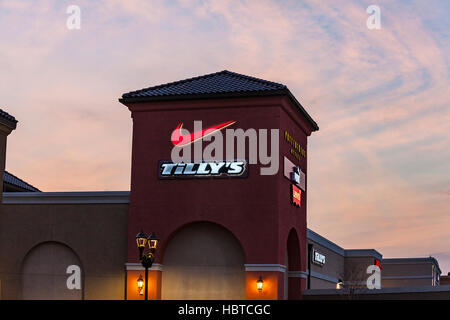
[[282, 86], [221, 84], [172, 83], [209, 75]]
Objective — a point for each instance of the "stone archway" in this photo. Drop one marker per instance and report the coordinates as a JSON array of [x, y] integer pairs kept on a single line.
[[44, 273], [203, 261]]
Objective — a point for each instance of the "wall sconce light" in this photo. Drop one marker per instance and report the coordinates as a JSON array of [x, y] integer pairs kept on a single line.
[[340, 284], [140, 284], [260, 284]]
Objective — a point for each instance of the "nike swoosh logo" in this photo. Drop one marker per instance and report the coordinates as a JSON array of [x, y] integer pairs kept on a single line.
[[180, 140]]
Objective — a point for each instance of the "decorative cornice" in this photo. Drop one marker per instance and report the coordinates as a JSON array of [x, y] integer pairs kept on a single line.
[[90, 197], [356, 253], [317, 238], [265, 267], [406, 277], [360, 291], [297, 274], [7, 120], [139, 267]]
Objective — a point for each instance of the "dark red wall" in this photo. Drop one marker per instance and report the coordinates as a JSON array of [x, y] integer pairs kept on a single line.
[[257, 209], [289, 215]]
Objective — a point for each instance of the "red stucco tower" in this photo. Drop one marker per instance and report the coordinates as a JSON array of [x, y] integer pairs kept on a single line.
[[257, 211]]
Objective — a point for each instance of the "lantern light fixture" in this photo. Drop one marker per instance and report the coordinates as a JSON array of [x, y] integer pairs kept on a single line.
[[153, 241], [140, 284], [260, 284], [141, 239]]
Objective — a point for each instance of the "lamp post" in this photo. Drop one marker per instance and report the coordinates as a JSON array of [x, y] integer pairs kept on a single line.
[[146, 258]]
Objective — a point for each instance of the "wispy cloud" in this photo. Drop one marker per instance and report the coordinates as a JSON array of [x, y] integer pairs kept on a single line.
[[381, 158]]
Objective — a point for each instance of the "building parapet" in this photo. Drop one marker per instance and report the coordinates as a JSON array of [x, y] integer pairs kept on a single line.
[[365, 291], [403, 261], [83, 197], [355, 253], [313, 236]]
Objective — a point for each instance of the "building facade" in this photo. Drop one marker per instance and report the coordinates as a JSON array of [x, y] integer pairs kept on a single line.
[[405, 272], [222, 224]]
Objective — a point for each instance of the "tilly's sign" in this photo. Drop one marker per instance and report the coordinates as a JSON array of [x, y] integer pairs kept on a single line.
[[167, 169]]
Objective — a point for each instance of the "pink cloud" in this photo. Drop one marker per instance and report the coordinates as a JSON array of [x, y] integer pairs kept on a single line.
[[73, 134]]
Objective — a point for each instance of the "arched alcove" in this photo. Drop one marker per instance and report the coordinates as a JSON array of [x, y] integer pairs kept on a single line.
[[203, 261], [44, 273], [293, 264]]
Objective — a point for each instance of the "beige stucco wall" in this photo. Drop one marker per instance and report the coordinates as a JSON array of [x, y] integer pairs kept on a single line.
[[407, 269], [445, 280], [334, 262], [317, 283], [97, 233], [396, 274], [333, 268], [395, 283], [356, 270]]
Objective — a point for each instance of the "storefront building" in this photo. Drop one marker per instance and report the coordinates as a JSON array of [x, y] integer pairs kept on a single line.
[[223, 226]]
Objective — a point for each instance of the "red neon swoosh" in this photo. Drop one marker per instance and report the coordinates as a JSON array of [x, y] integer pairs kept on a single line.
[[180, 140]]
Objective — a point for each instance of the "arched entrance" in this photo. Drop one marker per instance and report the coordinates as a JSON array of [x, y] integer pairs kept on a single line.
[[44, 273], [293, 266], [203, 261]]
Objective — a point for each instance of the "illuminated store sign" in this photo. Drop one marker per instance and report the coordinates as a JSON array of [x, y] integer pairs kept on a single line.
[[296, 195], [179, 139], [298, 177], [318, 258], [296, 149], [295, 174], [168, 169]]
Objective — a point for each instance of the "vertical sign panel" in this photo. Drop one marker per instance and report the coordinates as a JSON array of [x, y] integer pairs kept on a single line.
[[296, 195]]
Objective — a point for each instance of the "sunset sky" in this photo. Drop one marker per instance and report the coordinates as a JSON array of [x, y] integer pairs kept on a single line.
[[378, 168]]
